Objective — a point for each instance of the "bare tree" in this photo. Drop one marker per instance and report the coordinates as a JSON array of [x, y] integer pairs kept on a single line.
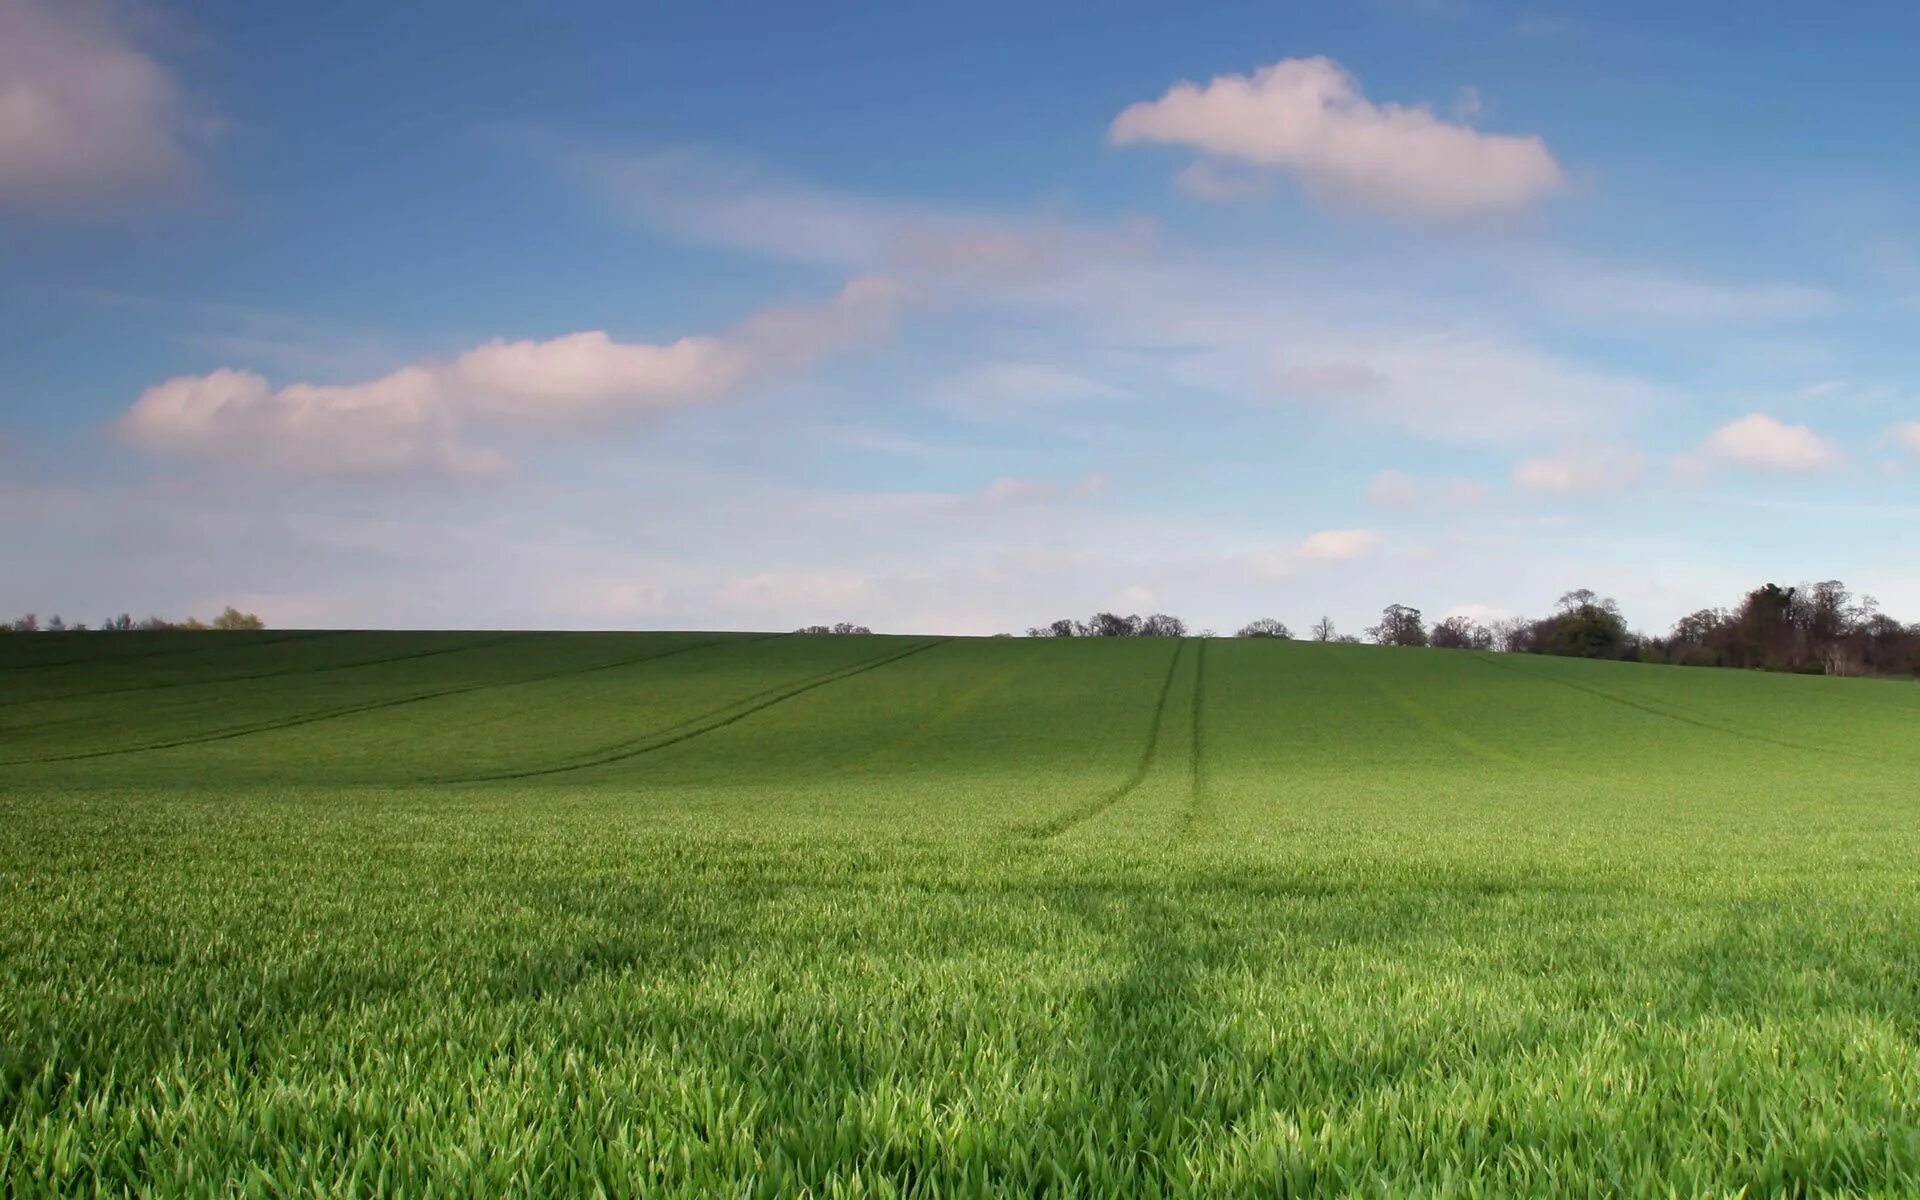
[[1265, 627], [1460, 633], [1510, 634], [1161, 625], [1106, 624], [1323, 630]]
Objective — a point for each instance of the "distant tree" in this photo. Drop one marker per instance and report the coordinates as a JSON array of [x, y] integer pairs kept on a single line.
[[1206, 633], [1161, 625], [1399, 626], [1106, 624], [1323, 630], [233, 618], [1063, 628], [1265, 627], [55, 624], [1460, 633], [1510, 634], [27, 624], [842, 629], [1584, 625]]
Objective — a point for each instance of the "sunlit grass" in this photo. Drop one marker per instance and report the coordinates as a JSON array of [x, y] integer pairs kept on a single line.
[[684, 915]]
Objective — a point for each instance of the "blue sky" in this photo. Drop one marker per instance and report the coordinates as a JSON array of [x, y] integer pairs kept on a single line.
[[750, 315]]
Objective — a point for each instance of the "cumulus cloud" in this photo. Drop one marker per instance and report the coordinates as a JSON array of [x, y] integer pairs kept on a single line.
[[399, 420], [1339, 543], [1759, 440], [1596, 469], [421, 414], [1308, 116], [85, 114]]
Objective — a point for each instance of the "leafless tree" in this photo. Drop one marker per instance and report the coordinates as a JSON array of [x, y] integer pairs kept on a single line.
[[1265, 627], [1460, 633], [1323, 630], [1162, 625]]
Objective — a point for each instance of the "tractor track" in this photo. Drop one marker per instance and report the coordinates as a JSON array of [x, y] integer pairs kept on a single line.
[[1086, 812], [295, 722], [699, 726]]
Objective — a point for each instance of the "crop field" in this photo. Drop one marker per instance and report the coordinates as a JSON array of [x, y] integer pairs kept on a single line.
[[664, 915]]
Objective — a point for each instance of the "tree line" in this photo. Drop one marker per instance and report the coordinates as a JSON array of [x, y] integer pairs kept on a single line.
[[1813, 628], [231, 618]]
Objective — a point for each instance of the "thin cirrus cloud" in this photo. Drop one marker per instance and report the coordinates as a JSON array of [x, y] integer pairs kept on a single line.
[[1459, 387], [420, 416], [1308, 116], [716, 199], [1766, 442], [86, 115]]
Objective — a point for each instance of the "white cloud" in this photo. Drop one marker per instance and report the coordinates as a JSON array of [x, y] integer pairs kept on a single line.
[[85, 114], [399, 420], [567, 376], [418, 415], [1307, 115], [1393, 489], [1759, 440], [1339, 544], [1595, 469]]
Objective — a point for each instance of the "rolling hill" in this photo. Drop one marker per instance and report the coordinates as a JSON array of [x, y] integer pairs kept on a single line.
[[695, 914]]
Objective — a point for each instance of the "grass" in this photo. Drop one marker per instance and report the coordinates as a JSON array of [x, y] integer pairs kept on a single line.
[[723, 915]]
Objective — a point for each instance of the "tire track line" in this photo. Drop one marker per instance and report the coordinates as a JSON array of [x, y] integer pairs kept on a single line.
[[1434, 723], [1197, 761], [1086, 812], [1696, 722], [349, 666], [960, 703], [372, 706], [666, 737]]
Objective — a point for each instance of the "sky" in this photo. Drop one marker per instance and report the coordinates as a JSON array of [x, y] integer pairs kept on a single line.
[[953, 318]]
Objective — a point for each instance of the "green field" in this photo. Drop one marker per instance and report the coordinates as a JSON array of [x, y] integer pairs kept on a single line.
[[712, 915]]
